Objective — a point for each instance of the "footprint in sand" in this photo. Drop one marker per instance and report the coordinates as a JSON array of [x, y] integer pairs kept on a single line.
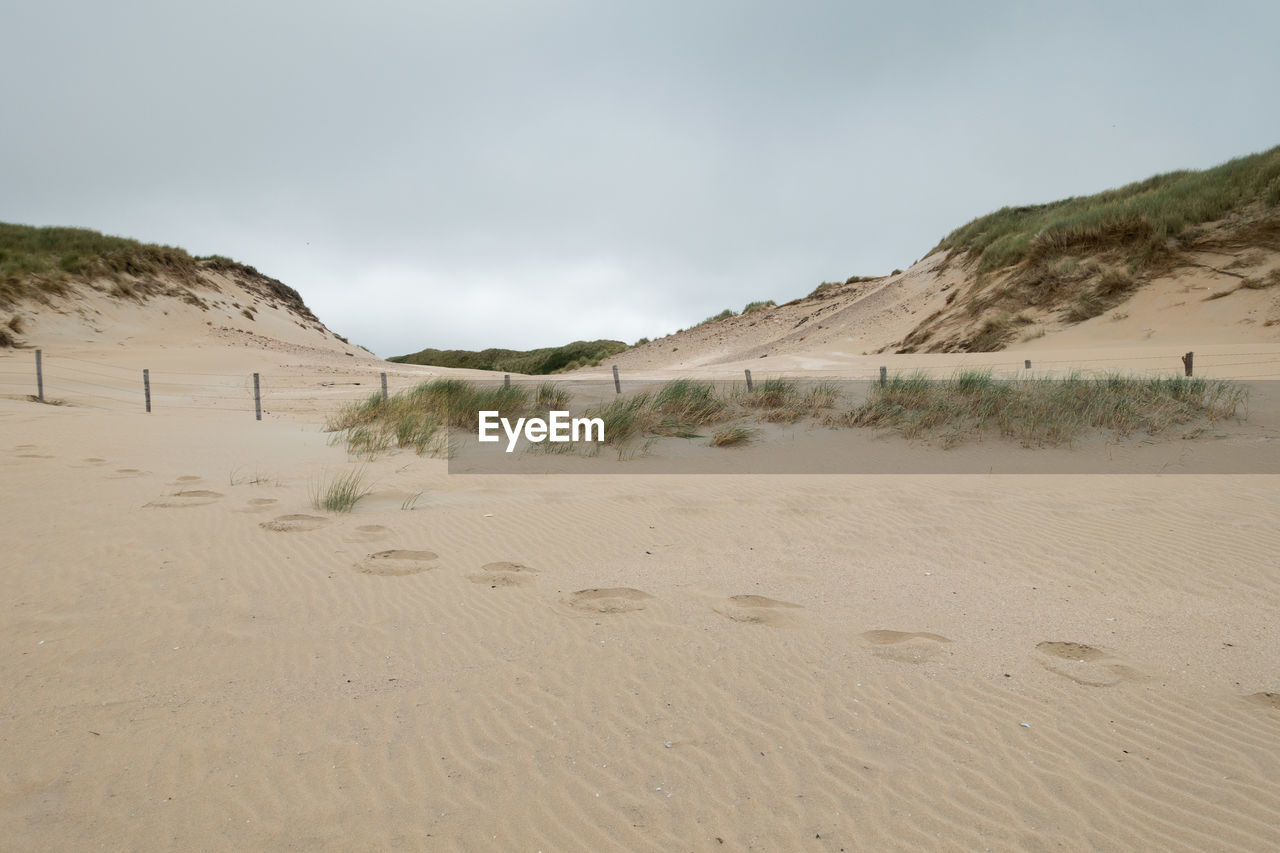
[[1083, 664], [495, 575], [95, 460], [369, 533], [35, 456], [258, 505], [757, 610], [187, 498], [186, 478], [905, 646], [295, 523], [620, 599], [1266, 700], [395, 563]]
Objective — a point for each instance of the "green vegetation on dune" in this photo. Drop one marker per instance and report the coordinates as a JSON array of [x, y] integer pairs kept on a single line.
[[37, 263], [1080, 257], [534, 362], [723, 315], [1141, 215]]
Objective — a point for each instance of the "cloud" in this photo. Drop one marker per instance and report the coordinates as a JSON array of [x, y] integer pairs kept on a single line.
[[507, 173]]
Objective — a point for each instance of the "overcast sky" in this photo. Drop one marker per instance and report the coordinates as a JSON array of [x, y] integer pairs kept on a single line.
[[519, 174]]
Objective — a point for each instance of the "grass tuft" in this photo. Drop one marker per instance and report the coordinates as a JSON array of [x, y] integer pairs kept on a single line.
[[341, 494], [715, 318], [785, 401], [734, 436]]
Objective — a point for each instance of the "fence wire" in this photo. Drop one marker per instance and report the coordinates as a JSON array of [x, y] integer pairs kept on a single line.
[[78, 381]]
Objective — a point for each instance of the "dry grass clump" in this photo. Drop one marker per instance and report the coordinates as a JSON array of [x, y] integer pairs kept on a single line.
[[1040, 412], [734, 436], [995, 332], [1090, 286]]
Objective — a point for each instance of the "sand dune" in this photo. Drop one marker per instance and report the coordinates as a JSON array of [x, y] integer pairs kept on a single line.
[[195, 656]]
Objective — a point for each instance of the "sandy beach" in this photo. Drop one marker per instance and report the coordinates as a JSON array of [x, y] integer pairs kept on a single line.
[[194, 656], [640, 428]]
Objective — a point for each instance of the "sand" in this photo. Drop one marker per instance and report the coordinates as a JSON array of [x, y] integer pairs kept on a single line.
[[193, 656]]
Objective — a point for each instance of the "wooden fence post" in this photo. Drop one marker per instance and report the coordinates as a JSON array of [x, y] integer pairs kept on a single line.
[[1187, 362], [384, 384], [146, 387], [506, 380], [39, 378], [748, 372], [617, 383], [884, 375], [1028, 364], [257, 399]]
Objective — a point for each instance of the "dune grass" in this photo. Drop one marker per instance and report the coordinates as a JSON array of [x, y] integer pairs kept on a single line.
[[1140, 216], [734, 436], [39, 263], [715, 318], [678, 408], [1036, 411], [419, 419], [340, 494], [1042, 411], [785, 400]]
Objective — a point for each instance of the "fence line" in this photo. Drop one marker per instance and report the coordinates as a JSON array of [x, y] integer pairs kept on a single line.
[[57, 378]]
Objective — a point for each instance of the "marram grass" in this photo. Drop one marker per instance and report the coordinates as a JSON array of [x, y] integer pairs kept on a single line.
[[1039, 412], [340, 494]]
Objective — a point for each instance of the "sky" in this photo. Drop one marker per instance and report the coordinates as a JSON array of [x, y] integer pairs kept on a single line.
[[520, 174]]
